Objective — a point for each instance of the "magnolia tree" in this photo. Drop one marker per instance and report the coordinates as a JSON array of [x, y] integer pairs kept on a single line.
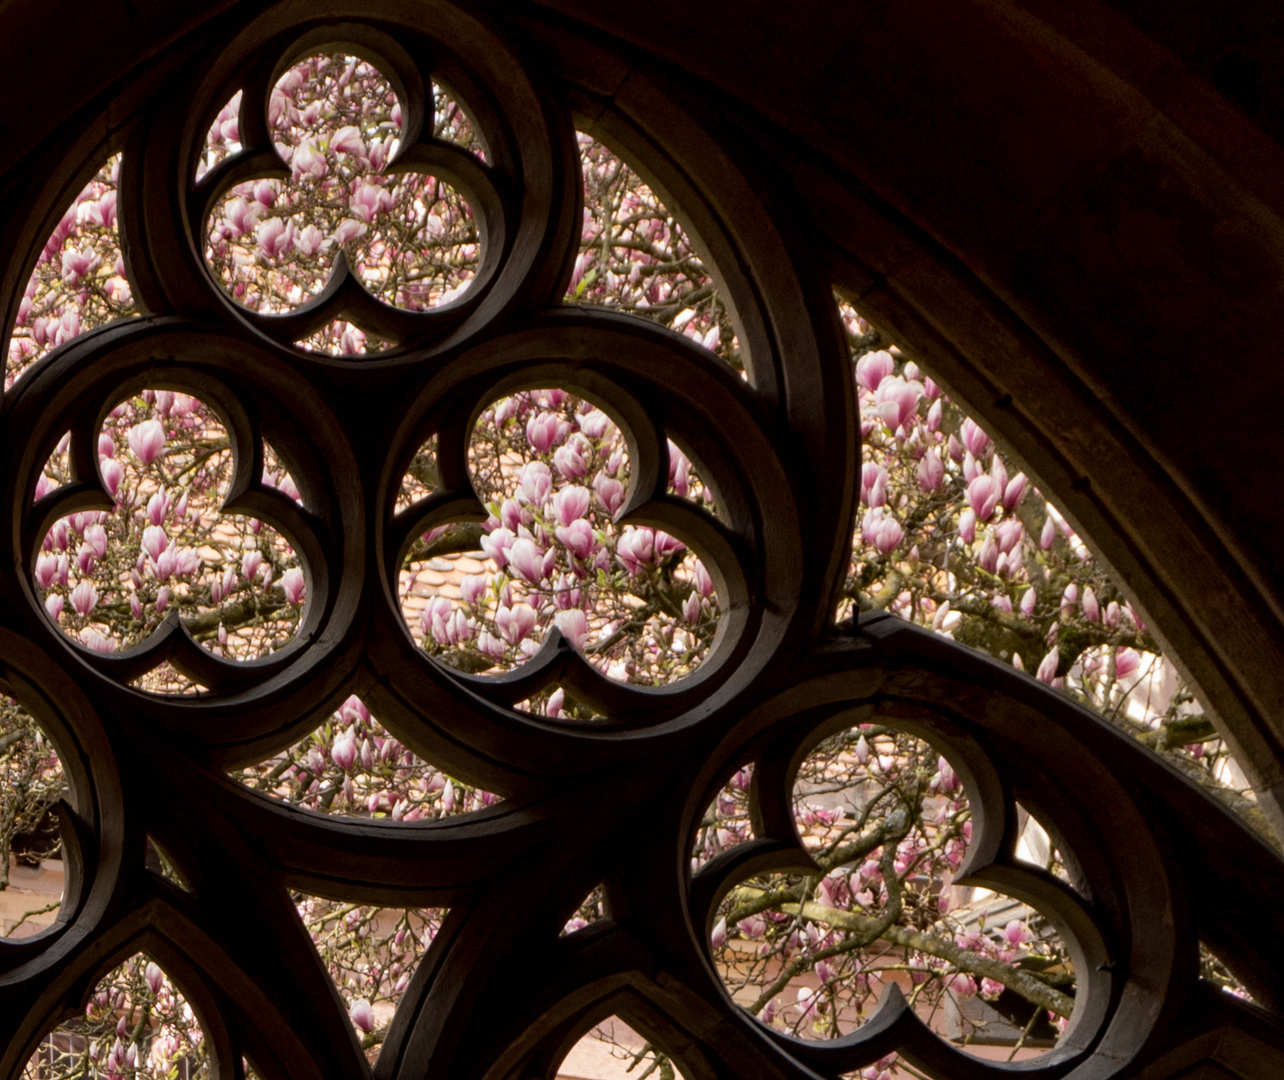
[[950, 534]]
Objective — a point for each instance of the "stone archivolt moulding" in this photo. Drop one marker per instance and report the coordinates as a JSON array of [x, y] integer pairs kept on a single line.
[[499, 994]]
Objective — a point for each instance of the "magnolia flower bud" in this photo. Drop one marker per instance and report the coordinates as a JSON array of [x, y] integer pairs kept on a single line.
[[976, 440], [983, 496], [292, 585], [931, 471], [718, 938], [362, 1015], [344, 750], [112, 473]]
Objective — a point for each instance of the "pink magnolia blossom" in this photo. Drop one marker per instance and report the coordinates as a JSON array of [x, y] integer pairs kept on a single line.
[[347, 140], [515, 622], [241, 216], [1069, 598], [983, 496], [873, 368], [368, 201], [570, 503], [636, 549], [472, 588], [102, 211], [703, 582], [577, 537], [96, 641], [595, 424], [542, 431], [433, 619], [882, 531], [362, 1015], [574, 626], [265, 192], [112, 473], [1014, 492], [536, 481], [999, 474], [158, 507], [147, 440], [84, 598], [1009, 532], [974, 439], [293, 586], [344, 750], [67, 327], [679, 472], [570, 461], [610, 491], [251, 562], [275, 237], [988, 557], [873, 484], [78, 264], [305, 161], [1016, 933], [155, 541], [46, 570], [166, 564], [897, 400], [349, 229], [666, 545], [154, 976], [718, 937], [931, 471], [1048, 666], [1127, 661], [309, 240], [527, 560], [497, 544]]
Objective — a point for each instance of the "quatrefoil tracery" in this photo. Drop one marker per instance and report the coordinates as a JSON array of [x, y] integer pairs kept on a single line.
[[778, 456]]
